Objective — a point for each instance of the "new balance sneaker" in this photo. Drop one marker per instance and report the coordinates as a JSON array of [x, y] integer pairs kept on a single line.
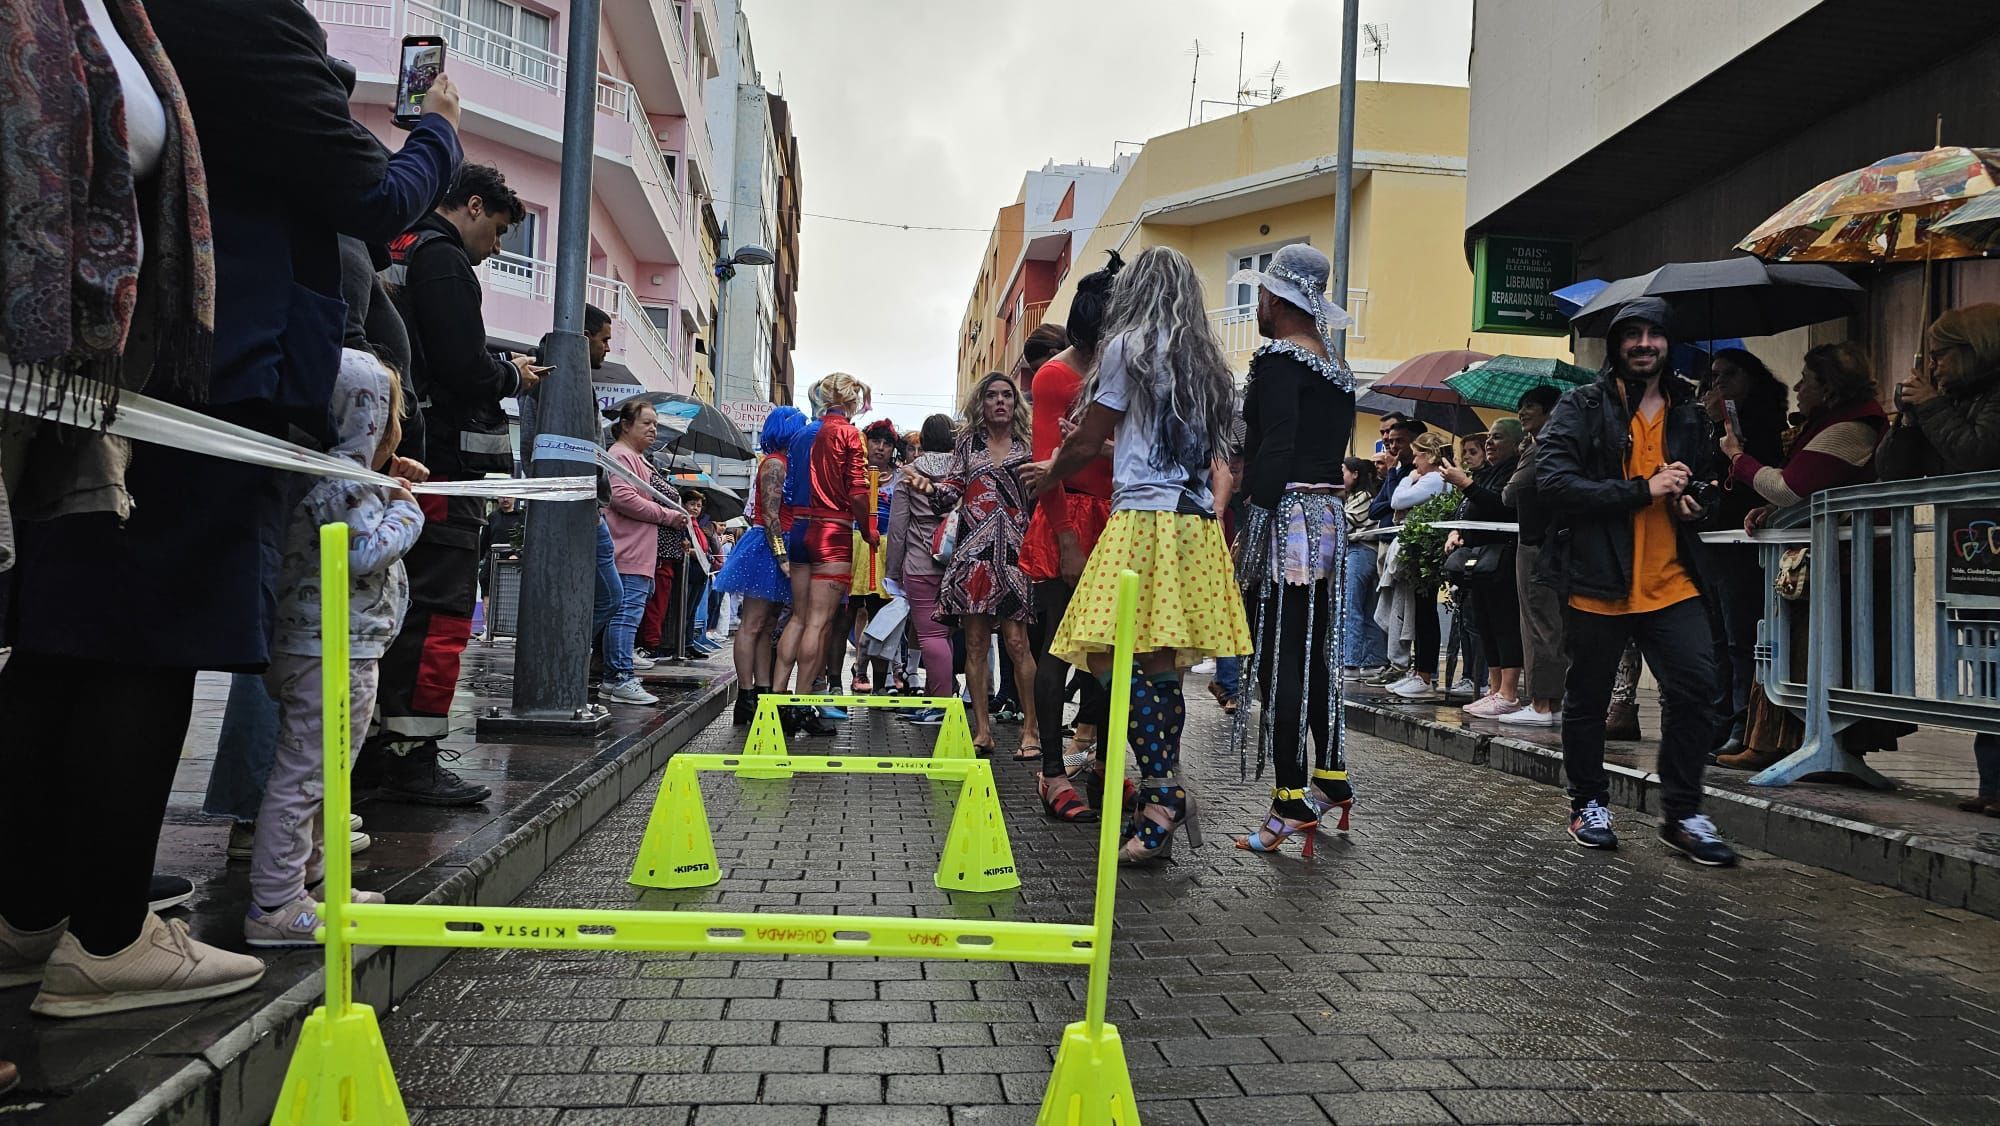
[[294, 923], [927, 717], [641, 662], [1412, 687], [163, 966], [1529, 717], [629, 692], [1491, 706], [1591, 826], [23, 953], [1696, 837]]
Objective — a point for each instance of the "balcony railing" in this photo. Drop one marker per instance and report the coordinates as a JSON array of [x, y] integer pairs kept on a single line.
[[616, 96], [353, 13], [484, 47], [1236, 328], [534, 279]]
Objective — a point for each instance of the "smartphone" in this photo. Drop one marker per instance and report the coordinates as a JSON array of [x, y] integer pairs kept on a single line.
[[1735, 419], [423, 61]]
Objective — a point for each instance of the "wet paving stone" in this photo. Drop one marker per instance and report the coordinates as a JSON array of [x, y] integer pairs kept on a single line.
[[1454, 960]]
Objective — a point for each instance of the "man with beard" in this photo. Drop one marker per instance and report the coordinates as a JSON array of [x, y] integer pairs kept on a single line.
[[1616, 460]]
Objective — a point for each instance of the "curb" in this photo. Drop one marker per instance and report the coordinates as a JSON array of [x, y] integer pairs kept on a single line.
[[237, 1078], [1943, 872]]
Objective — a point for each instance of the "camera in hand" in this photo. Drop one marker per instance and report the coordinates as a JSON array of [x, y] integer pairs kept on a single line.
[[1703, 493]]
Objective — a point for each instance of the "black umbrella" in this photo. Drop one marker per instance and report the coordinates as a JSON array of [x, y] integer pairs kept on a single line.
[[692, 426], [1730, 297], [1454, 417]]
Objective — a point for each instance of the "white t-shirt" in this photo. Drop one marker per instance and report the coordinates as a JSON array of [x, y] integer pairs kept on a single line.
[[145, 117], [1136, 483]]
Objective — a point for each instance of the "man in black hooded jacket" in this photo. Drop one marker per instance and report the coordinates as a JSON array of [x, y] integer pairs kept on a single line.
[[1618, 457]]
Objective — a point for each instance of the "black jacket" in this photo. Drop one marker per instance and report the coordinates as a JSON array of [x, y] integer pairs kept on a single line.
[[1583, 486], [458, 381], [1296, 427], [1484, 499]]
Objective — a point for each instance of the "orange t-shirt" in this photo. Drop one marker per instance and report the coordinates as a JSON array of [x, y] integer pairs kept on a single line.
[[1658, 579]]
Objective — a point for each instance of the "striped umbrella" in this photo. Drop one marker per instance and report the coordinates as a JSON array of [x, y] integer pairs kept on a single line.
[[1501, 381]]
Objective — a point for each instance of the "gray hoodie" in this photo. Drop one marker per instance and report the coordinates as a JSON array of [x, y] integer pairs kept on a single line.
[[913, 521], [380, 530]]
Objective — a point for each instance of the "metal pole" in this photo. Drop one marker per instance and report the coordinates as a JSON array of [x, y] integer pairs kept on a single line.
[[551, 661], [1343, 190]]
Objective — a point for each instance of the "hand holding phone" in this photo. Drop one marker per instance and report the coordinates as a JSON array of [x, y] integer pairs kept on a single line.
[[422, 63], [443, 99]]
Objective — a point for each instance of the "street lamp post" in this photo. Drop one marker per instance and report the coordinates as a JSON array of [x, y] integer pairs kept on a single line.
[[552, 655], [725, 268]]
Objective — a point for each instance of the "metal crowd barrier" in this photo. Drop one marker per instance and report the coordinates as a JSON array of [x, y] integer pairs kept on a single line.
[[1964, 605]]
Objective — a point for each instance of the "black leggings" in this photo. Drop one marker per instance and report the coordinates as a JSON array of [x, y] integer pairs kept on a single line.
[[1428, 638], [1282, 633], [1052, 678], [83, 791]]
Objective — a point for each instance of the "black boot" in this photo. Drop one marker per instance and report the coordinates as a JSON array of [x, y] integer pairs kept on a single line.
[[746, 706], [419, 778]]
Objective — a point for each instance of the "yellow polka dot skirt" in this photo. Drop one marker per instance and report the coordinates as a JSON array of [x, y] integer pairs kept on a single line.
[[1188, 600]]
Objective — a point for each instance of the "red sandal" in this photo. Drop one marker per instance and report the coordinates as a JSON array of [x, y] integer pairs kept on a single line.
[[1066, 805]]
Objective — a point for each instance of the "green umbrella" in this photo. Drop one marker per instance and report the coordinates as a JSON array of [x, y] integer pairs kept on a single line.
[[1501, 381]]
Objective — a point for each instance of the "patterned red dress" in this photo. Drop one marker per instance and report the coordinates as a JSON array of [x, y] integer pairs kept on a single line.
[[984, 575]]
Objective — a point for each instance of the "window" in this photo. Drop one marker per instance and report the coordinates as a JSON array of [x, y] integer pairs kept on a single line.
[[515, 268], [523, 239], [501, 36], [1255, 258]]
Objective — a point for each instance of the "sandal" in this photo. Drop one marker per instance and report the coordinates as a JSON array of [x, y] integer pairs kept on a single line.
[[1028, 752], [1278, 829], [1150, 840], [1330, 791], [1066, 804], [983, 750]]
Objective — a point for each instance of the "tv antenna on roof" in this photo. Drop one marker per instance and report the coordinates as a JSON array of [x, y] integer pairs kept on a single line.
[[1377, 35], [1268, 85], [1198, 51]]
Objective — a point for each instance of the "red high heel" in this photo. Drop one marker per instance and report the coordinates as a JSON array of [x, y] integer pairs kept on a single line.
[[1281, 829], [1323, 805]]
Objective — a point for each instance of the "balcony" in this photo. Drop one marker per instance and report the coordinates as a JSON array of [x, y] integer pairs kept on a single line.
[[1236, 328], [519, 292], [513, 94], [1017, 333]]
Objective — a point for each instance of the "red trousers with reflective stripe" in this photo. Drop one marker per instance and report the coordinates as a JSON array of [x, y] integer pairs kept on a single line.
[[419, 673]]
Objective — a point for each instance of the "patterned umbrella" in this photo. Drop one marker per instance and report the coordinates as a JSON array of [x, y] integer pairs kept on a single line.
[[1977, 223], [1501, 381], [1890, 211], [1422, 377]]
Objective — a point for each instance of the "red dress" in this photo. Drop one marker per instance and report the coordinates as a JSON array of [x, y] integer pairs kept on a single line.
[[984, 575], [1082, 503]]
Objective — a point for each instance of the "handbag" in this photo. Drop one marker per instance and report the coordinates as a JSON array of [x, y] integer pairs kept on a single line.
[[944, 540], [1474, 561], [1792, 582]]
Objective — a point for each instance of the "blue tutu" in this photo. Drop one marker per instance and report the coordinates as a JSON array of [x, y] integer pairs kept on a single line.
[[752, 571]]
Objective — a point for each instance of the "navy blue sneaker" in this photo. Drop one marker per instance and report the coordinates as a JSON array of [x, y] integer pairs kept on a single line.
[[926, 717], [1591, 826], [1696, 837]]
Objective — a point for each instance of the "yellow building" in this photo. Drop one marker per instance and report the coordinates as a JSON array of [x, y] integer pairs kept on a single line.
[[1229, 192]]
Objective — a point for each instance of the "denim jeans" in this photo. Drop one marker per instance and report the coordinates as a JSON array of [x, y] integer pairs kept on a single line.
[[244, 750], [624, 626], [1676, 645], [610, 589], [698, 609], [1363, 643], [1229, 675]]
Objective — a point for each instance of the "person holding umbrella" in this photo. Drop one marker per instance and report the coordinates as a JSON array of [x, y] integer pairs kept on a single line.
[[1617, 460]]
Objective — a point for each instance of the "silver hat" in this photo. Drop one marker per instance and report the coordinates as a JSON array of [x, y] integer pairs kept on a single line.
[[1298, 275]]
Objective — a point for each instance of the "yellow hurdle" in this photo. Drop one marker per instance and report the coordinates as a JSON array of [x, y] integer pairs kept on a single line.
[[340, 1071]]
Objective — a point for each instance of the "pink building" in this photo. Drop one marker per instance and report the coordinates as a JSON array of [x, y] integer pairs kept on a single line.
[[652, 155]]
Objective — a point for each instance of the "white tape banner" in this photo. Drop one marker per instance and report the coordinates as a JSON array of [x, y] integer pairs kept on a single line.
[[142, 419], [614, 466]]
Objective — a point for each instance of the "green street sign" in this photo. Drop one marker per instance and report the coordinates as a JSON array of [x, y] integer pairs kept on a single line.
[[1511, 281]]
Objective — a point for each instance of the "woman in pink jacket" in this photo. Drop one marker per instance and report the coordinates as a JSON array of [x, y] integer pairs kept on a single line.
[[635, 519]]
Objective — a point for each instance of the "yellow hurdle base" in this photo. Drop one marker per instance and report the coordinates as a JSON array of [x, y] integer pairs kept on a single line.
[[340, 1075], [1090, 1085]]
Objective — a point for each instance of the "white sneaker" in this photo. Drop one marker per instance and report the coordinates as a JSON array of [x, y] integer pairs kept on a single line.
[[641, 662], [1397, 685], [354, 822], [1205, 668], [163, 966], [1529, 717], [630, 692], [23, 953], [1416, 687], [1464, 687]]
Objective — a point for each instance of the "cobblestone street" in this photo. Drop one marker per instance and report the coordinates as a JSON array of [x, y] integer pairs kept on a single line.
[[1456, 959]]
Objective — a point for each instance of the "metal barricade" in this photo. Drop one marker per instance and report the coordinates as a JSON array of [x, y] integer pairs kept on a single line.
[[1964, 604]]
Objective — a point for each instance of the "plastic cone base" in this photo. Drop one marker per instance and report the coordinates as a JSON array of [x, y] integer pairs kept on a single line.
[[1090, 1085], [678, 851], [977, 855], [955, 736], [340, 1074]]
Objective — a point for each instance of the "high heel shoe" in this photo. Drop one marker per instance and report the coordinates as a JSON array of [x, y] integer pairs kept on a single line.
[[1150, 841], [1281, 829], [1320, 796]]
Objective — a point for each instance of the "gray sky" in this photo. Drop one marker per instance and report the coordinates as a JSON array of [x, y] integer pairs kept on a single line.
[[928, 112]]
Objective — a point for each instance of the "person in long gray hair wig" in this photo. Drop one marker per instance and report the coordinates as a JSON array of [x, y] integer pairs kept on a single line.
[[1181, 383]]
